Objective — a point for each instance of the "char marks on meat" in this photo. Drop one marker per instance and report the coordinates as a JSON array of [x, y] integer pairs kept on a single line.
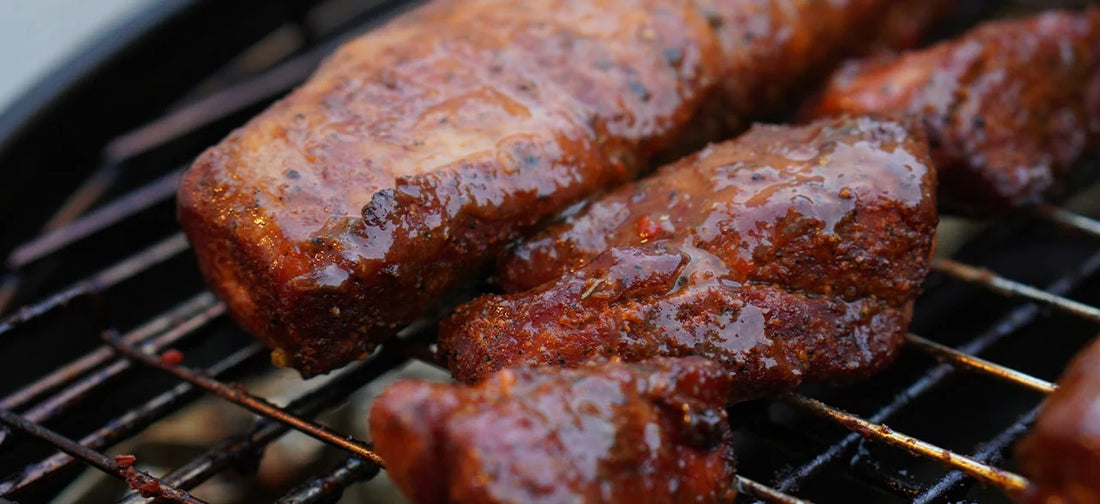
[[1009, 106], [1061, 455], [790, 253], [416, 151], [608, 432]]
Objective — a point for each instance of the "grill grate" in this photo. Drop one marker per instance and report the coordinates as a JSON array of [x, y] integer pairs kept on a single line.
[[109, 199]]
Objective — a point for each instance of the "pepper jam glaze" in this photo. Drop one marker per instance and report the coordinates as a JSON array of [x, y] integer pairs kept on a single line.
[[346, 210], [789, 253], [1010, 106], [605, 433]]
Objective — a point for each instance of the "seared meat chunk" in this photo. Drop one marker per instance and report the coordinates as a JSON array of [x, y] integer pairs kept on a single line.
[[1061, 455], [661, 299], [790, 253], [1009, 106], [399, 170], [610, 432]]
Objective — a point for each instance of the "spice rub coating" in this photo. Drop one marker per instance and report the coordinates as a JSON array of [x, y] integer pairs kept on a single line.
[[416, 151], [604, 433], [790, 253], [1061, 454], [1009, 106]]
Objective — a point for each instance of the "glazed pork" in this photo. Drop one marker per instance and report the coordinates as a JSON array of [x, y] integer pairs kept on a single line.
[[399, 170], [1009, 107], [1061, 455], [790, 253], [604, 433]]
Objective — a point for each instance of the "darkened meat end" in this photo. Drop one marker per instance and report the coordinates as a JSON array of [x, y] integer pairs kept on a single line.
[[604, 433], [349, 208], [1061, 455], [1009, 106], [787, 254]]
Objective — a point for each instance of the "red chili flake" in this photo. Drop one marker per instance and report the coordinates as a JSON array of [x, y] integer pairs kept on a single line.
[[171, 357], [125, 461], [142, 485], [647, 228]]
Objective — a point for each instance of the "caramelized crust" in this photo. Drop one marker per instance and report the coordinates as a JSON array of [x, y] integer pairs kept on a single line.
[[400, 168], [1009, 106], [605, 433], [1061, 455], [787, 254], [840, 207]]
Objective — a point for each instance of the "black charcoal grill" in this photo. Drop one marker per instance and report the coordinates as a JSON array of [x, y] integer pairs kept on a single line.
[[98, 291]]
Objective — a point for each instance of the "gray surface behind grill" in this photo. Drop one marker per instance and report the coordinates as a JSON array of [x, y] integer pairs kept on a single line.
[[38, 35]]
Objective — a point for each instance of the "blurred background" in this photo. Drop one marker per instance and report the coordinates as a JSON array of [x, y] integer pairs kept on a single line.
[[38, 35]]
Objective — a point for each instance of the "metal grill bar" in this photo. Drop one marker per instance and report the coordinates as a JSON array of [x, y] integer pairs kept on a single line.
[[991, 453], [233, 449], [863, 465], [1069, 219], [103, 354], [765, 493], [1005, 326], [79, 391], [1004, 286], [1010, 483], [110, 214], [253, 403], [329, 487], [972, 363], [150, 485], [100, 281], [89, 191], [129, 423], [216, 106]]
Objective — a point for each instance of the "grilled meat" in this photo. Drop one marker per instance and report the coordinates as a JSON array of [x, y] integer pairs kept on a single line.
[[609, 432], [400, 168], [1009, 106], [1061, 455], [790, 253], [907, 22]]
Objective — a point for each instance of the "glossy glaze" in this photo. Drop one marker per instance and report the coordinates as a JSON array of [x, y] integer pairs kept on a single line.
[[1009, 106], [787, 254], [777, 205], [604, 433], [1061, 455], [397, 171]]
